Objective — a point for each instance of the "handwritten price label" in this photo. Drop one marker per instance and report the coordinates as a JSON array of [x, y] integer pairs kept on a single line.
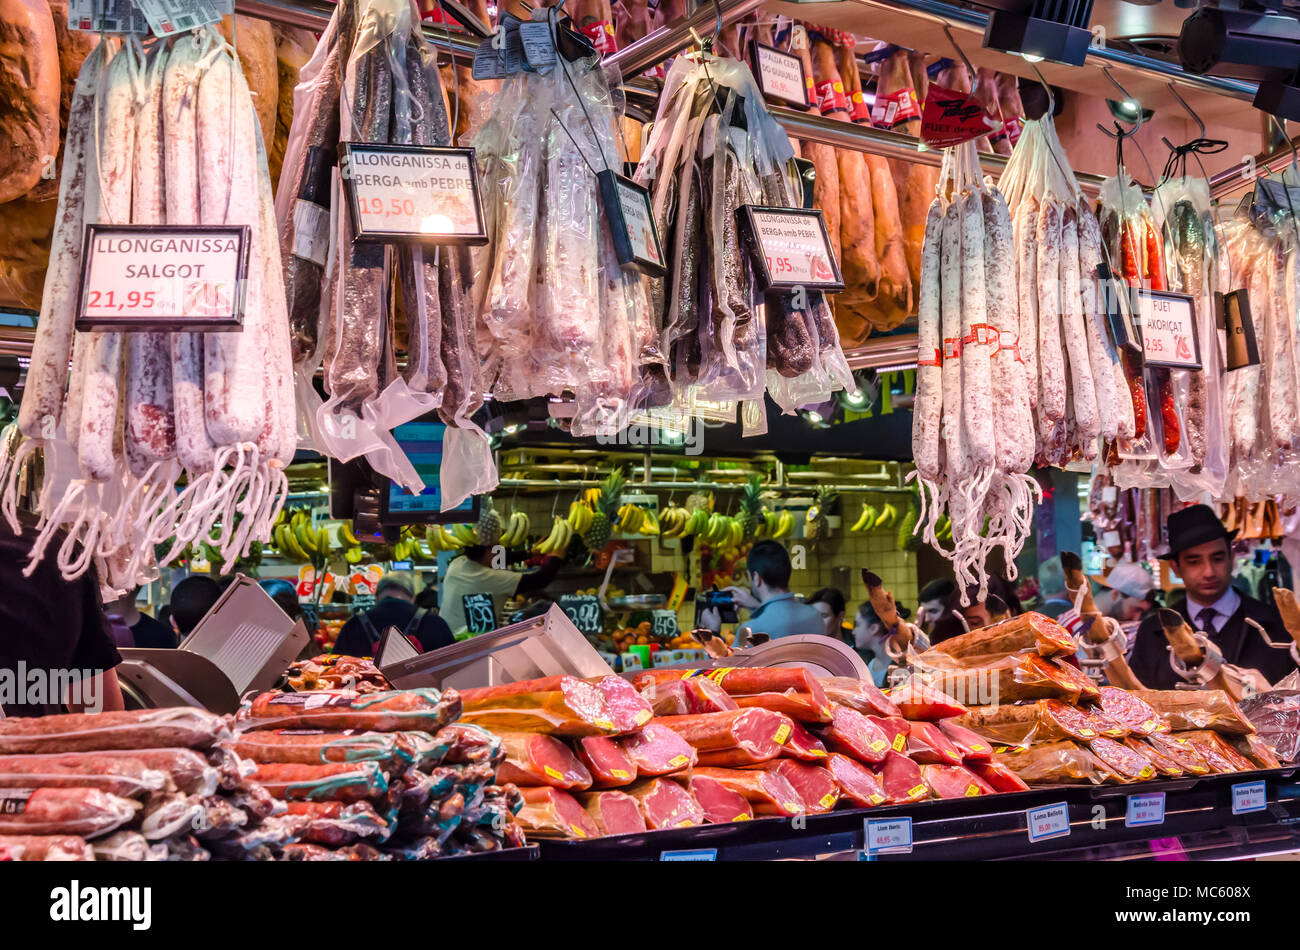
[[1168, 329], [413, 193], [150, 278]]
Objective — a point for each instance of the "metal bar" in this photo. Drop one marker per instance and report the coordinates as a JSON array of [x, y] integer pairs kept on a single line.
[[667, 40], [1229, 180], [315, 14], [544, 484]]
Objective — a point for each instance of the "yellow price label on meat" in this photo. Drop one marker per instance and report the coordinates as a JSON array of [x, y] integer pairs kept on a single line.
[[972, 791], [678, 761], [900, 740], [917, 791], [827, 800], [620, 774], [577, 832], [782, 734], [553, 773]]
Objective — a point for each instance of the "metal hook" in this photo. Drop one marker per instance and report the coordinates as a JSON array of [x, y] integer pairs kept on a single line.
[[1141, 117], [1281, 128], [1051, 99], [1190, 111], [951, 39]]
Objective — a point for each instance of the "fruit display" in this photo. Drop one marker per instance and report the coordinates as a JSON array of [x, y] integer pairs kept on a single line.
[[604, 504]]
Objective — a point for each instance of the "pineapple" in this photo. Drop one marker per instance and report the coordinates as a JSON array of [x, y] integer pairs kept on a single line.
[[818, 526], [751, 507], [606, 508], [488, 529]]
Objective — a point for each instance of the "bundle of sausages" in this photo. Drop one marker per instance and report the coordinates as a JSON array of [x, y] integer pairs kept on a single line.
[[163, 136], [971, 462]]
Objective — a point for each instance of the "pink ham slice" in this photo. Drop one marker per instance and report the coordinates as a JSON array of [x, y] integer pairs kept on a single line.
[[852, 733], [926, 744], [536, 759], [605, 760], [973, 748], [816, 786], [803, 745], [901, 779], [665, 804], [768, 792], [895, 729], [758, 731], [551, 813], [925, 703], [657, 750], [998, 777], [626, 706], [859, 786], [954, 781], [614, 813], [720, 803]]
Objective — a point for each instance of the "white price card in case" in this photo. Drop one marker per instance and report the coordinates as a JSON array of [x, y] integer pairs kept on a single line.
[[1049, 821], [162, 277], [792, 249], [1168, 323], [1248, 797], [1145, 810], [413, 193], [893, 836], [780, 75], [698, 854]]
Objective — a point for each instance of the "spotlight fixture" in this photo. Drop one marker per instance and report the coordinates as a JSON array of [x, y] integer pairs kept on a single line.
[[1247, 44], [1041, 30], [1128, 110]]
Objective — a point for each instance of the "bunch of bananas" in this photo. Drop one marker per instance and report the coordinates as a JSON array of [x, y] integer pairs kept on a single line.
[[633, 519], [557, 542], [777, 525], [672, 523], [722, 531], [352, 552], [870, 519], [516, 529], [440, 539], [297, 540], [581, 514]]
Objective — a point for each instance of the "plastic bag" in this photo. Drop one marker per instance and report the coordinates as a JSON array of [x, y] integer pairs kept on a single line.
[[338, 823], [552, 813], [394, 751], [409, 709], [536, 759], [337, 781], [127, 846], [561, 705], [658, 750], [1028, 631], [63, 811], [1056, 763], [1187, 710], [1216, 750], [1276, 715], [169, 815], [45, 848], [1127, 763], [862, 695], [131, 729], [127, 777]]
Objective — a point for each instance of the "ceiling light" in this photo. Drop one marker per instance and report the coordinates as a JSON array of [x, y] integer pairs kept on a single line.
[[1032, 57]]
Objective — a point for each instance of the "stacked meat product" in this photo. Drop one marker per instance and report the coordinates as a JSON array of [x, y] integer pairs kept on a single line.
[[159, 136], [1050, 724], [374, 79], [973, 431]]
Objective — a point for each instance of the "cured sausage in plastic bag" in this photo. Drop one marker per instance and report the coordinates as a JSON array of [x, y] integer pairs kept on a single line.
[[606, 761], [45, 848], [63, 811], [129, 729], [762, 789], [552, 813], [407, 709], [128, 777], [392, 750], [862, 695], [335, 781], [719, 803], [561, 705]]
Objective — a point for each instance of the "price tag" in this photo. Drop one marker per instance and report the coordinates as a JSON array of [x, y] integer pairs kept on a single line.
[[1236, 322], [1145, 810], [889, 837], [1119, 310], [1248, 797], [480, 613], [413, 193], [631, 223], [1110, 494], [791, 249], [699, 854], [164, 277], [663, 624], [168, 17], [106, 16], [584, 611], [950, 118], [780, 76], [1049, 821], [1111, 539], [539, 44], [1168, 324]]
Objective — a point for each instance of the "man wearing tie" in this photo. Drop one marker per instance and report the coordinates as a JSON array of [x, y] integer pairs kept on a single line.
[[1201, 550]]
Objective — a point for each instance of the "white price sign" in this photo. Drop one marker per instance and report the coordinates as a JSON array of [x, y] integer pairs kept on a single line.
[[699, 854], [1168, 329], [780, 75], [889, 837], [1145, 810], [793, 249], [413, 193], [164, 277], [1049, 821], [1248, 797], [169, 17]]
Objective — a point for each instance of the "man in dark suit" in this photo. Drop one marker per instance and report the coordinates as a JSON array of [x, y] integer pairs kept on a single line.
[[1200, 548]]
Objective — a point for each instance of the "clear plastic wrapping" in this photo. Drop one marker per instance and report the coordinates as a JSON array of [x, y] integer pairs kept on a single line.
[[132, 729], [63, 811], [410, 709]]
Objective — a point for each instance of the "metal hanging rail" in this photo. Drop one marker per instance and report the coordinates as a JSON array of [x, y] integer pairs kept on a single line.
[[1229, 180], [657, 46]]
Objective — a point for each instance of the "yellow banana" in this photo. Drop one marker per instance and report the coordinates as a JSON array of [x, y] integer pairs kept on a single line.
[[886, 517]]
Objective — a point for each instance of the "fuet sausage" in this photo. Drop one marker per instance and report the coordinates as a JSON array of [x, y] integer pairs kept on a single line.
[[1279, 338], [950, 305], [977, 341], [1099, 359], [1086, 421], [927, 414], [1013, 423], [1051, 397], [1026, 282]]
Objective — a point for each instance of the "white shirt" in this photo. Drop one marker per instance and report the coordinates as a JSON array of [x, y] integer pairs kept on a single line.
[[470, 577], [1223, 608]]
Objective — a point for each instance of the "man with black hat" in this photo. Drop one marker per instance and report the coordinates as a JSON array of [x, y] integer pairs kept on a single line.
[[394, 607], [1200, 548]]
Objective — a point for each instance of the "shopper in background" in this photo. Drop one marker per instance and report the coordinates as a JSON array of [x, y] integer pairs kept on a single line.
[[145, 630], [932, 602], [1200, 548], [1052, 597], [473, 573], [976, 613], [1128, 592], [284, 594], [870, 640], [53, 627], [773, 609], [829, 602], [394, 607], [191, 600]]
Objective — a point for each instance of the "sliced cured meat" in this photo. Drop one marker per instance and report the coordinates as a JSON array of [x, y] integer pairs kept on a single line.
[[1183, 755], [553, 813], [735, 758], [816, 787], [953, 781], [1107, 726], [761, 788], [1056, 763], [536, 759], [1068, 720], [1160, 762], [1258, 751], [1082, 687], [414, 709], [926, 744], [1027, 632], [744, 681], [560, 705], [687, 697], [334, 781], [1125, 762], [917, 702], [758, 731], [973, 748], [895, 729], [606, 761], [1215, 750], [1192, 709], [858, 785], [720, 803], [665, 804], [801, 707], [998, 777], [657, 750], [901, 779], [627, 708], [862, 695], [852, 733], [1128, 708], [803, 745], [614, 813]]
